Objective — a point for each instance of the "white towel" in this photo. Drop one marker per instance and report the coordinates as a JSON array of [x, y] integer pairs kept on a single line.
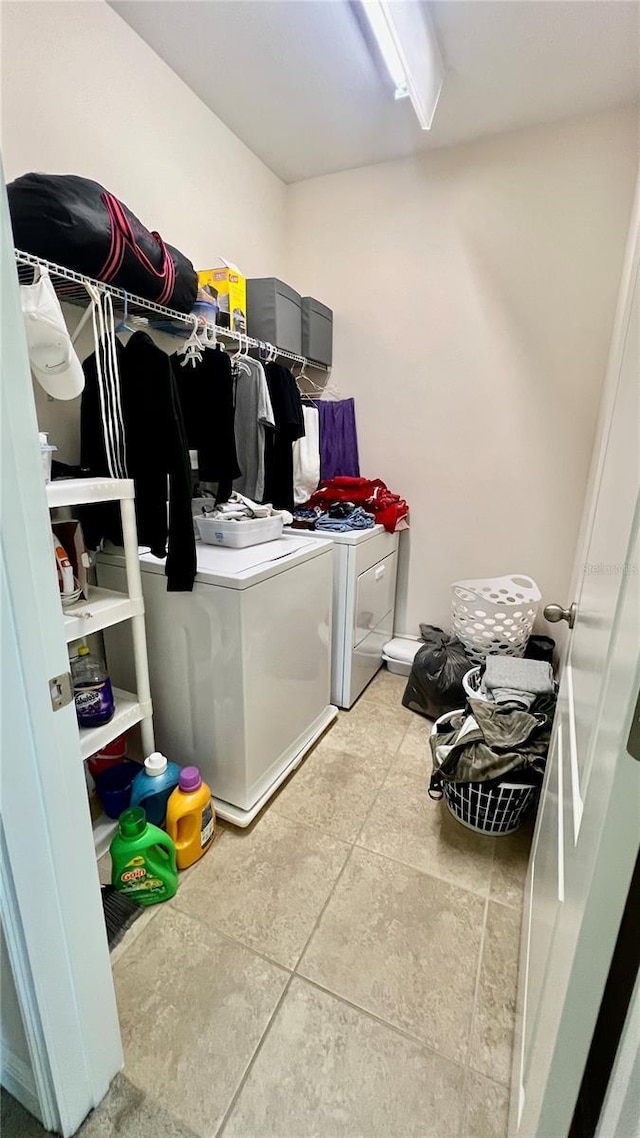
[[306, 457]]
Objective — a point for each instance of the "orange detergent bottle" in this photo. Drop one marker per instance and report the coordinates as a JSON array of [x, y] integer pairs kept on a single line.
[[191, 818]]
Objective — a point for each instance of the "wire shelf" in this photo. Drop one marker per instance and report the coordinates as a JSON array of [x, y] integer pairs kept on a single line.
[[70, 289]]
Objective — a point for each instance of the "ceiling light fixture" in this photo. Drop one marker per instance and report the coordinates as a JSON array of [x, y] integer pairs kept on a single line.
[[410, 51]]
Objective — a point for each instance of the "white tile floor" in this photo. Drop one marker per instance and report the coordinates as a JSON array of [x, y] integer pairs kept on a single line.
[[345, 968]]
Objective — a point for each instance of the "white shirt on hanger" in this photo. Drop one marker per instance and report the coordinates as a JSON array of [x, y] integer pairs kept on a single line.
[[306, 457]]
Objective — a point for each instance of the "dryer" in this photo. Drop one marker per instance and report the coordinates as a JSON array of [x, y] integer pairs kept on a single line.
[[364, 595], [240, 667]]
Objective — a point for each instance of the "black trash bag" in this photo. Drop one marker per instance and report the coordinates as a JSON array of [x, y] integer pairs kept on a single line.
[[435, 683], [540, 648]]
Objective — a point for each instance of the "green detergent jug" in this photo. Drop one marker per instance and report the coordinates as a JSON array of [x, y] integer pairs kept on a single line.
[[143, 859]]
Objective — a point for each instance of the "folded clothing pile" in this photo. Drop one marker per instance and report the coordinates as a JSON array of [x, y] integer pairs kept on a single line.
[[388, 509], [305, 517], [239, 509], [342, 518], [510, 680]]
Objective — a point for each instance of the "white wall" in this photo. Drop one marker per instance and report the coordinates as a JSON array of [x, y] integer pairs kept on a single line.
[[474, 292], [83, 94]]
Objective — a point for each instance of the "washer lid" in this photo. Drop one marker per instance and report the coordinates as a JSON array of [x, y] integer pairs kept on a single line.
[[241, 568], [341, 537]]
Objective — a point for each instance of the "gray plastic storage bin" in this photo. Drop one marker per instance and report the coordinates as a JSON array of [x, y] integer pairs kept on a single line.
[[317, 331], [273, 313]]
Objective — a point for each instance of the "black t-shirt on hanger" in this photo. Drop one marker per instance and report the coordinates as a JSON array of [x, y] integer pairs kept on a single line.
[[206, 398], [278, 451], [156, 451]]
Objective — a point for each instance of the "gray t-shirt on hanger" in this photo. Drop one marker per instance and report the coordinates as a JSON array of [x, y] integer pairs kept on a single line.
[[253, 413]]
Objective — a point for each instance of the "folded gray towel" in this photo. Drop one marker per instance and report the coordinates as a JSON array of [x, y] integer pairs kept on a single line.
[[534, 676], [513, 695]]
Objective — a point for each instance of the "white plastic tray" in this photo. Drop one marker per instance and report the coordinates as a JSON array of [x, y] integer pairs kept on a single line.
[[238, 534]]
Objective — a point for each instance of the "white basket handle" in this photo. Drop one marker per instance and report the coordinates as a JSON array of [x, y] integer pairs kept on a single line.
[[465, 594], [524, 582]]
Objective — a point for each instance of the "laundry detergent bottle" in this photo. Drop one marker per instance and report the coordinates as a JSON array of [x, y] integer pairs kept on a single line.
[[153, 787], [143, 860], [191, 818]]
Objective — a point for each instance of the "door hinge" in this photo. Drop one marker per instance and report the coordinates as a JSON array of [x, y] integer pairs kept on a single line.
[[61, 690]]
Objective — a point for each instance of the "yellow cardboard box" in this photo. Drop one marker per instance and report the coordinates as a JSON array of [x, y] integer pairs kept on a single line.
[[228, 288]]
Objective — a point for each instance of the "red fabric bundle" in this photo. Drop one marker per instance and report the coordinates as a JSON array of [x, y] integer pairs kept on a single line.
[[390, 510]]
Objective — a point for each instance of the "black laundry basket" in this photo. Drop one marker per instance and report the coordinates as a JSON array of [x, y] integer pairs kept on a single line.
[[497, 807]]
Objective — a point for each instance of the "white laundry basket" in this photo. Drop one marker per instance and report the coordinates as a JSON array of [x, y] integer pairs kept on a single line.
[[494, 615], [471, 684], [496, 807]]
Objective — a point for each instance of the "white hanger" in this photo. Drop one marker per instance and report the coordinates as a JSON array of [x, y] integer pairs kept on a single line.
[[208, 335], [237, 357], [193, 348], [122, 326], [86, 314], [325, 391]]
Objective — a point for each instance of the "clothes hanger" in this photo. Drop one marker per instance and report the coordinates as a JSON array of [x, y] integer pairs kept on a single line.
[[208, 334], [327, 391], [123, 326], [240, 354], [193, 348], [307, 378], [88, 312]]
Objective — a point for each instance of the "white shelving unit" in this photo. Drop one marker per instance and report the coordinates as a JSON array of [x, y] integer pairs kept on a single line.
[[104, 608]]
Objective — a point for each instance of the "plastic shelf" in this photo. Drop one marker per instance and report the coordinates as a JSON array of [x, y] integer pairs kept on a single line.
[[129, 711], [83, 491], [103, 831], [103, 608]]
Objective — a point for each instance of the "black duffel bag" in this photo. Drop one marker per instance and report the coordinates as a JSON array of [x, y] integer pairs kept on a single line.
[[77, 223]]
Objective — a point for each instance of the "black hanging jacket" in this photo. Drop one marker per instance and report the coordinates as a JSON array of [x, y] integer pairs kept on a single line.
[[155, 449], [206, 397], [278, 450]]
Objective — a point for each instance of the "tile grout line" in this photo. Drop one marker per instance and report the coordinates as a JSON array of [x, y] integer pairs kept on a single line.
[[476, 990], [232, 939], [490, 1078], [322, 911], [393, 1027], [272, 1019], [352, 841], [379, 791], [425, 872], [241, 1085]]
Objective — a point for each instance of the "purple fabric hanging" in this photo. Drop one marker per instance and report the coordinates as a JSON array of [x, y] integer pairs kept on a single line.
[[338, 438]]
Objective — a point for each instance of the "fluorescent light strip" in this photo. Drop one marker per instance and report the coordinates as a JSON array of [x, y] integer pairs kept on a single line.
[[409, 49], [384, 38]]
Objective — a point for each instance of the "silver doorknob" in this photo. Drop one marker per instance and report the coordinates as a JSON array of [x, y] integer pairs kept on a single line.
[[555, 613]]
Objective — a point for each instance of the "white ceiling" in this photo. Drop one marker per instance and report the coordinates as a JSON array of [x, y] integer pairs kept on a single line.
[[299, 84]]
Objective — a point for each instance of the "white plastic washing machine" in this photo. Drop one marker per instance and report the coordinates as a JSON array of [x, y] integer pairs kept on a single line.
[[240, 667]]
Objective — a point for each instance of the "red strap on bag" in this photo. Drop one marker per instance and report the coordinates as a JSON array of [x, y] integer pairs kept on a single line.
[[122, 238]]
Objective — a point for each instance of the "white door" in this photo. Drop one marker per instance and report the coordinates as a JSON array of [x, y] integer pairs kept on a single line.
[[588, 825], [49, 890]]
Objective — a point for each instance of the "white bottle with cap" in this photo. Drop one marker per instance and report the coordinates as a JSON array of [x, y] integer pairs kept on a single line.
[[153, 787]]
